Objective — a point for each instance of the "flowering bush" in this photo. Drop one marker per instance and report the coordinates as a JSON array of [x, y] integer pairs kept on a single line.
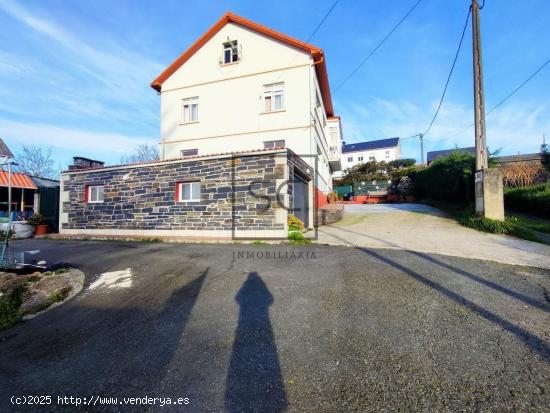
[[294, 223]]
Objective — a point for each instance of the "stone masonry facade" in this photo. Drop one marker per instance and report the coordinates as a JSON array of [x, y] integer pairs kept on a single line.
[[238, 192]]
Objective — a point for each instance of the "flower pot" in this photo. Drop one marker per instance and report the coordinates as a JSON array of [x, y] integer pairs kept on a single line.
[[41, 229]]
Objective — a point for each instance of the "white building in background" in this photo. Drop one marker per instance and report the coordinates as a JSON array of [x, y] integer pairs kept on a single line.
[[243, 86], [361, 152]]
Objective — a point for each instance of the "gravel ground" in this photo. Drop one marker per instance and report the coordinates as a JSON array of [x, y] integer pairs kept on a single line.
[[339, 329]]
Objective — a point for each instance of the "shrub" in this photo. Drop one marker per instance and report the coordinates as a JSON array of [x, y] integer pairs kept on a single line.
[[297, 238], [510, 226], [533, 199], [9, 308], [405, 186], [521, 174], [294, 223], [449, 178], [332, 197], [37, 219]]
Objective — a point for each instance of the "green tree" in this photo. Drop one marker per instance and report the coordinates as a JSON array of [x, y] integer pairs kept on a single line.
[[545, 156]]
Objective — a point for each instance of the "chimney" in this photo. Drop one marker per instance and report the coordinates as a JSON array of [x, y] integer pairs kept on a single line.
[[80, 162]]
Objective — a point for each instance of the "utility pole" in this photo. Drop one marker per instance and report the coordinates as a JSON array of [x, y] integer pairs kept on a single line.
[[421, 136], [479, 101], [489, 196]]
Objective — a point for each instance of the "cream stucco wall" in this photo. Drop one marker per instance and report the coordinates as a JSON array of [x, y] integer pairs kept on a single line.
[[230, 97]]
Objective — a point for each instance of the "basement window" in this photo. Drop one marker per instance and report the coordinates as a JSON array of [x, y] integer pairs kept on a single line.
[[274, 144], [189, 152], [95, 194], [188, 191]]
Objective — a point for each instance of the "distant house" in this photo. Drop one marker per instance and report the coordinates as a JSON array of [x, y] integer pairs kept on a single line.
[[361, 152], [511, 159], [29, 194], [433, 155]]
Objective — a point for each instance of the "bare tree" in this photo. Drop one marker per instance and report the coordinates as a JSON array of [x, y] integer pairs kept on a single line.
[[142, 153], [36, 161]]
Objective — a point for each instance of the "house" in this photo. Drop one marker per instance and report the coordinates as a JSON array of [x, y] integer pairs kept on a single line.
[[361, 152], [29, 194], [244, 106], [433, 155]]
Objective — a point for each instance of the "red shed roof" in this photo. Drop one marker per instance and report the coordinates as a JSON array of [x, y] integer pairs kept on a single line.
[[316, 53], [18, 180]]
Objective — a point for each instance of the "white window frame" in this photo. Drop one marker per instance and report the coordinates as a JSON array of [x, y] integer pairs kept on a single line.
[[233, 47], [350, 158], [190, 107], [95, 188], [359, 159], [271, 92], [333, 133], [194, 196], [387, 154], [273, 144]]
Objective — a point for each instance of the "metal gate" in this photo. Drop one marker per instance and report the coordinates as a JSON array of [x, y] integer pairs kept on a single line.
[[49, 205], [301, 200]]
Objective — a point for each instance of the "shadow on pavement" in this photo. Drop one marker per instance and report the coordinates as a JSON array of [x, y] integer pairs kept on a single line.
[[254, 381], [488, 283], [535, 343]]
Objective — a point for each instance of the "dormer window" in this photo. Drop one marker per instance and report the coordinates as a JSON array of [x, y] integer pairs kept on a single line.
[[230, 52]]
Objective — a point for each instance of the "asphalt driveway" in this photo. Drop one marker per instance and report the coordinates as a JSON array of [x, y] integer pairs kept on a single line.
[[272, 328], [422, 228]]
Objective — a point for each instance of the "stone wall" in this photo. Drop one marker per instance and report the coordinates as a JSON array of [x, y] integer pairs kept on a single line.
[[236, 193]]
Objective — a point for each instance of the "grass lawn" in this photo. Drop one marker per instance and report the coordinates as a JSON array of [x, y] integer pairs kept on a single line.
[[532, 222], [516, 224]]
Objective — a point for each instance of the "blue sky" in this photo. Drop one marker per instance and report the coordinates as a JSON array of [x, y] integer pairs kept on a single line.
[[76, 75]]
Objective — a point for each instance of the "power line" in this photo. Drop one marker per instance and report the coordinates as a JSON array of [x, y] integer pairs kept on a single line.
[[450, 72], [512, 93], [323, 20], [373, 51]]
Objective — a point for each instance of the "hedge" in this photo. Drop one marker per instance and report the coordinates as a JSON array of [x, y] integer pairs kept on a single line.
[[449, 178], [532, 199]]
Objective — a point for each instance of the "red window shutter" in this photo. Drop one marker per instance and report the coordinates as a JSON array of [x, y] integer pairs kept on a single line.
[[177, 191], [86, 193]]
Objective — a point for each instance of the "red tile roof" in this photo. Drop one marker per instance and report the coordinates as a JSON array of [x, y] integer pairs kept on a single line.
[[316, 53], [18, 180]]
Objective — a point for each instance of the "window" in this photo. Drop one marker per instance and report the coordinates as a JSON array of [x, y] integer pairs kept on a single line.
[[350, 158], [274, 144], [188, 191], [332, 134], [189, 152], [371, 158], [387, 154], [230, 52], [190, 110], [95, 194], [274, 97], [360, 158]]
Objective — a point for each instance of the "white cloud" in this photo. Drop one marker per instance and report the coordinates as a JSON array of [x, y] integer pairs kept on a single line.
[[77, 141], [515, 127]]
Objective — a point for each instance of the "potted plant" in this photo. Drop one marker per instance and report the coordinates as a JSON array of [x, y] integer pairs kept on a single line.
[[40, 223]]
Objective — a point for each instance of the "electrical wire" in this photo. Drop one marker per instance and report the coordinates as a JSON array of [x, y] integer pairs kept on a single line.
[[373, 51], [450, 72], [512, 93], [322, 21]]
